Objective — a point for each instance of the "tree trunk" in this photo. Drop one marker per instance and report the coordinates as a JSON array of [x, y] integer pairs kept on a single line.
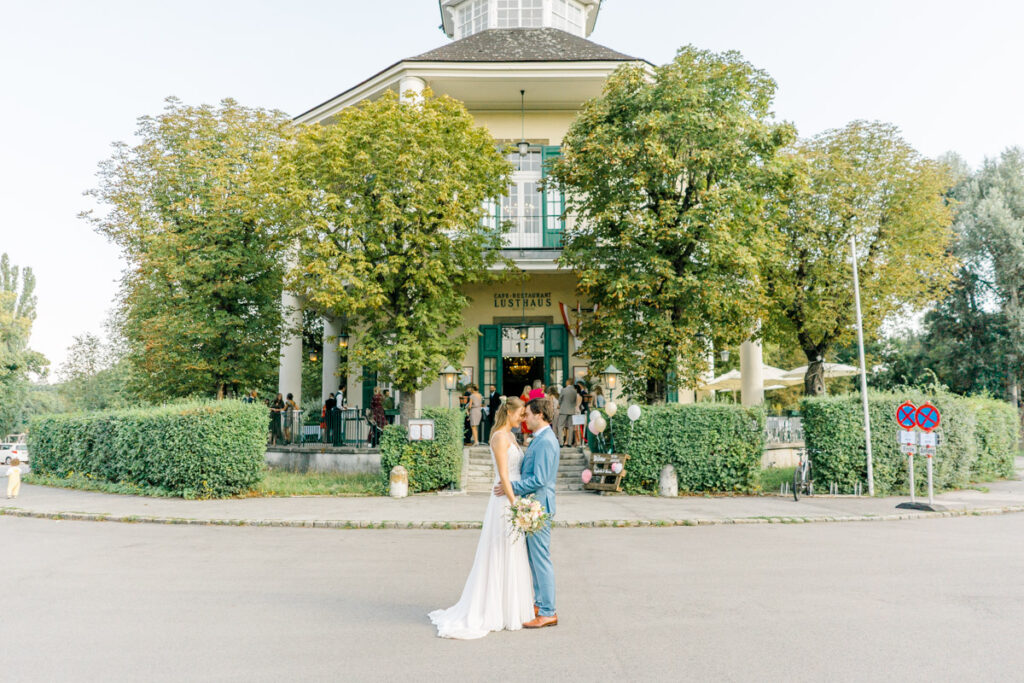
[[407, 406], [814, 378], [1013, 388]]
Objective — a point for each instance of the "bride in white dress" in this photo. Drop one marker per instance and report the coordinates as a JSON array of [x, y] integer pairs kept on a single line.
[[499, 591]]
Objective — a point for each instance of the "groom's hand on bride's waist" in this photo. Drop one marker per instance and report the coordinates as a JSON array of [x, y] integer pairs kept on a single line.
[[498, 491]]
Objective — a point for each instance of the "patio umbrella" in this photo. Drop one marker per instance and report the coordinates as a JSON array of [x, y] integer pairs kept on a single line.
[[772, 378], [832, 370]]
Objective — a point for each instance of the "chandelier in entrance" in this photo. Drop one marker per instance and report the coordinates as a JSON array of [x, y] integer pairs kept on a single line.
[[520, 366]]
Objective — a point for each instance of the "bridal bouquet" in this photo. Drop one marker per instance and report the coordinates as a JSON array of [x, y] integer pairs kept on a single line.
[[527, 515]]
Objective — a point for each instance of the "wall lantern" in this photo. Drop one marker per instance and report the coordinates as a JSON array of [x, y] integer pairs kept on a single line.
[[312, 356], [343, 340], [723, 355]]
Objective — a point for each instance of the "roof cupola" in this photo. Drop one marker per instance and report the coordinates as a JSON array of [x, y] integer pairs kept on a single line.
[[462, 18]]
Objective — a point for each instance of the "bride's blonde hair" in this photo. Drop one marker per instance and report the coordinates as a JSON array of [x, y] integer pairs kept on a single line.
[[511, 405]]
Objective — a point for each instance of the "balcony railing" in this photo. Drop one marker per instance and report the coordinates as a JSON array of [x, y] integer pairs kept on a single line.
[[530, 232]]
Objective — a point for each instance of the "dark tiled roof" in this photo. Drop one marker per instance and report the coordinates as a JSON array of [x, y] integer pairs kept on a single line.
[[522, 45]]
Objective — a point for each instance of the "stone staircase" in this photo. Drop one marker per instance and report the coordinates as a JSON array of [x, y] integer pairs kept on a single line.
[[478, 472]]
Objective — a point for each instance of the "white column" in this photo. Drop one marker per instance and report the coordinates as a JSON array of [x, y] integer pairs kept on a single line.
[[332, 330], [751, 373], [407, 83], [289, 374]]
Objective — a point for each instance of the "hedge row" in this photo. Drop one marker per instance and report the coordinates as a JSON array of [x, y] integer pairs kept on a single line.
[[195, 449], [713, 447], [432, 465], [977, 440]]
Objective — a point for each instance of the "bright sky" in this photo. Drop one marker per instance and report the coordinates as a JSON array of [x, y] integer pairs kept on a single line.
[[78, 74]]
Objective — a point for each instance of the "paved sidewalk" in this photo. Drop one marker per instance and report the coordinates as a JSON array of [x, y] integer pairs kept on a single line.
[[575, 509]]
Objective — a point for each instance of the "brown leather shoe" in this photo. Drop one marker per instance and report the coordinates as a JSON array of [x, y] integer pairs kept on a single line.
[[541, 622], [536, 611]]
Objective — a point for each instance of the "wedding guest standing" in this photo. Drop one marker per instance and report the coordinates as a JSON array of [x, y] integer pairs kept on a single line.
[[599, 399], [476, 404], [567, 407], [552, 396], [377, 415], [525, 398], [276, 419], [493, 403]]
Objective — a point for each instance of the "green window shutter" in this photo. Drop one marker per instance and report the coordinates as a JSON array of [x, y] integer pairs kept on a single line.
[[490, 356], [554, 200]]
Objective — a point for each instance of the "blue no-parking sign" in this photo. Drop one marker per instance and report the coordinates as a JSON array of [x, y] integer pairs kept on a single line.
[[927, 417], [905, 415]]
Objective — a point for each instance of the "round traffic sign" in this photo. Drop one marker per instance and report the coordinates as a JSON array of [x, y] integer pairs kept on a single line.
[[905, 415], [927, 417]]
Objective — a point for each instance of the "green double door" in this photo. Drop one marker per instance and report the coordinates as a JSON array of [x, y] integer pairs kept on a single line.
[[556, 356]]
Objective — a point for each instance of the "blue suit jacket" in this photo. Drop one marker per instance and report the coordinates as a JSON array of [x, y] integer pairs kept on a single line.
[[540, 469]]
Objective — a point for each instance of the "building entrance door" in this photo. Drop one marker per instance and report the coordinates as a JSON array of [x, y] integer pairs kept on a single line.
[[513, 356]]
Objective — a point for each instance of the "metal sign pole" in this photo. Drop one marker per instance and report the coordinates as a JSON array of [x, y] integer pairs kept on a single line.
[[910, 466], [931, 496], [863, 370]]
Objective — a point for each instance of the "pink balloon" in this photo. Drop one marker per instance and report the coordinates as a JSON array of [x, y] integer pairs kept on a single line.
[[586, 475]]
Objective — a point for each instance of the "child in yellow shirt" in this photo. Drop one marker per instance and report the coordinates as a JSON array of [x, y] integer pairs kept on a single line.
[[13, 479]]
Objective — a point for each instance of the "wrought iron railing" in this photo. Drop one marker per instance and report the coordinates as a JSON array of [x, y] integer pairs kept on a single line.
[[339, 427]]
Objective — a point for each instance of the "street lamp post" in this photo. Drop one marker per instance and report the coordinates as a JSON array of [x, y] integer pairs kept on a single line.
[[863, 369], [449, 375], [610, 375]]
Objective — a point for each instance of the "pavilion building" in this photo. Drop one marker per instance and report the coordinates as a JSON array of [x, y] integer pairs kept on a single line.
[[523, 69]]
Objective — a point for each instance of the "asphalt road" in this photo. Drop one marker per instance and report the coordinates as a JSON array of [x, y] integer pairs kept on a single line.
[[926, 599]]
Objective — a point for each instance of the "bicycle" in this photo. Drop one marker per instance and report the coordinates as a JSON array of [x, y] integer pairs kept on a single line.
[[802, 483]]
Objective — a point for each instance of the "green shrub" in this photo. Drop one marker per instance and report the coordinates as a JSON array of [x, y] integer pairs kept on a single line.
[[834, 434], [998, 439], [432, 465], [713, 447], [194, 449]]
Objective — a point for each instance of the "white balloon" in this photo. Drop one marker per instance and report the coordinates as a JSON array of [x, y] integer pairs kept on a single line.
[[611, 409], [601, 424], [633, 412], [592, 426], [595, 414]]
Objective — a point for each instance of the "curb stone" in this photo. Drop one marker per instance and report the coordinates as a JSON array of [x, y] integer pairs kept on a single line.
[[459, 525]]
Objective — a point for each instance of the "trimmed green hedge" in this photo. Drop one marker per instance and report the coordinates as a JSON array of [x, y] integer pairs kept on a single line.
[[432, 465], [998, 439], [713, 447], [977, 438], [196, 449]]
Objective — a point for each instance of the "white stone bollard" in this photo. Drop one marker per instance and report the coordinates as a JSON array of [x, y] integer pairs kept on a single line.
[[668, 485], [399, 482]]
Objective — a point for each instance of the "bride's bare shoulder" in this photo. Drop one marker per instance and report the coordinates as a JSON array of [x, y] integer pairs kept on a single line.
[[500, 440]]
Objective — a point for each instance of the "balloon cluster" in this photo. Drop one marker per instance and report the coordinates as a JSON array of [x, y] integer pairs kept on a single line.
[[597, 422]]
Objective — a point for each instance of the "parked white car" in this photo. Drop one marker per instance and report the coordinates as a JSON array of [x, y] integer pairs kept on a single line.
[[14, 446]]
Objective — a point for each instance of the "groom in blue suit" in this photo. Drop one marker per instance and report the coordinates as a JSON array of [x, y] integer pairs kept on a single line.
[[539, 470]]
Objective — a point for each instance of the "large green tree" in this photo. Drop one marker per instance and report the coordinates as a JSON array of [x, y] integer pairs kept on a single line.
[[17, 360], [194, 208], [667, 172], [990, 225], [860, 181], [388, 207]]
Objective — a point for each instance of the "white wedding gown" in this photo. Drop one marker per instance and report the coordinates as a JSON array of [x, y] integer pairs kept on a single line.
[[499, 591]]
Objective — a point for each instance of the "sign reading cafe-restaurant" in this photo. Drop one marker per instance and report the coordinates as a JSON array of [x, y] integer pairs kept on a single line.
[[516, 300]]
